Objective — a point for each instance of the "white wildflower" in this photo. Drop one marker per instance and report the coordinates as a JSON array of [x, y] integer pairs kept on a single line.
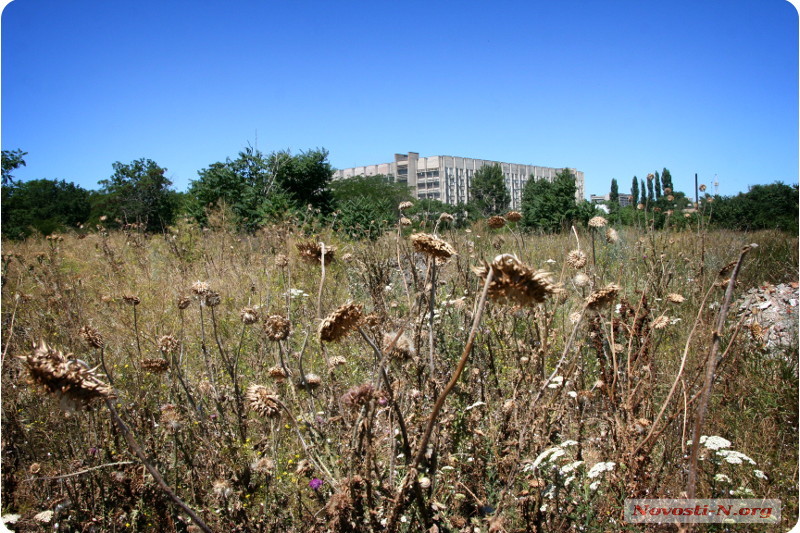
[[599, 468], [556, 382], [733, 457], [594, 485], [572, 394], [759, 474], [722, 477], [714, 442], [569, 467], [44, 516], [569, 442], [546, 456], [474, 405], [743, 492]]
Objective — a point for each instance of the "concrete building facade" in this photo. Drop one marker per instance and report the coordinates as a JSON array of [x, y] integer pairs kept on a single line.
[[448, 179]]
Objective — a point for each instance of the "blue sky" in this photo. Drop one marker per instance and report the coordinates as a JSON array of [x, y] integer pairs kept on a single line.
[[614, 88]]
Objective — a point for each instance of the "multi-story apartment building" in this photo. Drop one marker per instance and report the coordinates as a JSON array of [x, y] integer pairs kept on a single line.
[[623, 199], [448, 179]]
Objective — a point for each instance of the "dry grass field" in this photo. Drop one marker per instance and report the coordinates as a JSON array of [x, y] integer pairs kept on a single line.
[[390, 388]]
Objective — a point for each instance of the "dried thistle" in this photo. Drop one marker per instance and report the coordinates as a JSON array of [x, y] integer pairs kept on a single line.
[[155, 366], [675, 298], [248, 315], [183, 302], [727, 269], [611, 236], [446, 217], [661, 322], [496, 222], [341, 322], [200, 288], [70, 380], [405, 221], [131, 299], [515, 282], [405, 205], [262, 401], [312, 381], [403, 349], [577, 259], [170, 417], [513, 216], [639, 206], [264, 466], [277, 373], [337, 360], [281, 261], [359, 395], [168, 344], [92, 337], [597, 222], [211, 299], [277, 327], [602, 297], [581, 279], [431, 245], [221, 489], [311, 252]]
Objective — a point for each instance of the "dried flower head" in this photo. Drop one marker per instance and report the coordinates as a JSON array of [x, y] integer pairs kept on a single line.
[[264, 402], [359, 395], [277, 327], [155, 366], [650, 177], [211, 299], [264, 466], [405, 221], [515, 282], [405, 205], [281, 261], [221, 489], [667, 190], [602, 297], [248, 315], [639, 206], [341, 322], [168, 344], [661, 322], [92, 337], [675, 298], [581, 279], [130, 299], [402, 350], [183, 302], [611, 235], [702, 187], [200, 288], [597, 222], [496, 222], [311, 252], [670, 198], [170, 417], [513, 216], [446, 217], [337, 360], [70, 380], [277, 373], [431, 245], [205, 387], [312, 381], [577, 259]]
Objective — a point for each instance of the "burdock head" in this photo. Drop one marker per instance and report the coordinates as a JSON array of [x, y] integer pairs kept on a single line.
[[428, 244], [261, 400], [515, 282]]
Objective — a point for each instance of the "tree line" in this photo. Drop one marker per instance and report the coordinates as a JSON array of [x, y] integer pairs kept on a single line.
[[255, 189]]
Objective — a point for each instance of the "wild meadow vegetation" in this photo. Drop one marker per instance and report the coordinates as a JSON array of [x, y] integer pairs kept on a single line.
[[431, 378]]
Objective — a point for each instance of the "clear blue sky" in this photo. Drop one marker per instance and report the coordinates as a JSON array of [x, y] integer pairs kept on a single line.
[[614, 88]]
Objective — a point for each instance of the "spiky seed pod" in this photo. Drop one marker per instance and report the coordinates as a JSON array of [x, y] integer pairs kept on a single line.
[[702, 187], [155, 366], [581, 279], [359, 395], [248, 315], [576, 259], [277, 373], [311, 380], [92, 337], [496, 222], [650, 177], [200, 288], [168, 344], [446, 217], [183, 302], [337, 360], [574, 317], [262, 401], [597, 222], [341, 322], [130, 299], [405, 205], [205, 387], [431, 245], [277, 327], [211, 299], [170, 417], [661, 322], [513, 216], [611, 236], [405, 221], [675, 298], [221, 489], [667, 190], [69, 380], [639, 206], [281, 261], [264, 466], [602, 297], [515, 282], [403, 349], [311, 252]]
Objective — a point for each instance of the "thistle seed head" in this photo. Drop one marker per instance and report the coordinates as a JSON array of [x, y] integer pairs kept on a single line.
[[341, 322], [602, 297], [515, 282], [263, 401], [431, 245], [577, 259], [277, 327]]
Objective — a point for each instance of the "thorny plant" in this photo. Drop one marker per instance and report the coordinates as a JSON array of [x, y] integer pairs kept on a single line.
[[426, 382]]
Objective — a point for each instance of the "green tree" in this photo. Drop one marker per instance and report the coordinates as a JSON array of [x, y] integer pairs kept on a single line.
[[657, 186], [12, 160], [666, 180], [367, 205], [650, 193], [613, 195], [305, 177], [773, 206], [140, 193], [43, 206], [635, 190], [488, 191], [550, 206]]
